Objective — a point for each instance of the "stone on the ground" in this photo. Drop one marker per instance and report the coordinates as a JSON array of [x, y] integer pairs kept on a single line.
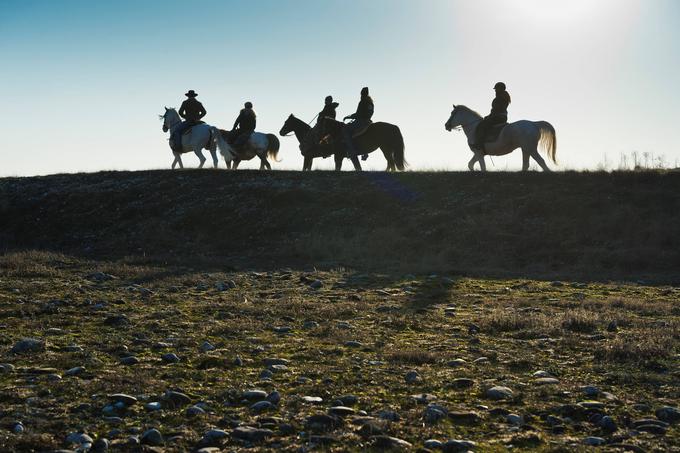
[[389, 443], [668, 414], [250, 434], [499, 393], [152, 437], [28, 345], [594, 441], [124, 398], [546, 381], [170, 357]]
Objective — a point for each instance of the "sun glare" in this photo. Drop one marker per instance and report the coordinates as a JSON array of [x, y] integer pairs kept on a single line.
[[561, 12]]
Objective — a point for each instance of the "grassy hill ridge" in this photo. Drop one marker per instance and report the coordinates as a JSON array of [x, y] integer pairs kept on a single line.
[[579, 225]]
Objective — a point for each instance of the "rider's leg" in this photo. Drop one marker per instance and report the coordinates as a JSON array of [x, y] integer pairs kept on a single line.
[[176, 137], [480, 133], [347, 133]]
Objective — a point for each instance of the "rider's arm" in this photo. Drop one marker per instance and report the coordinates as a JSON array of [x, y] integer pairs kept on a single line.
[[203, 111], [182, 110], [238, 120]]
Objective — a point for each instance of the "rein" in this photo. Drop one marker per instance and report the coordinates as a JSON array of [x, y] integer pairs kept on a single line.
[[463, 126], [174, 124], [308, 124]]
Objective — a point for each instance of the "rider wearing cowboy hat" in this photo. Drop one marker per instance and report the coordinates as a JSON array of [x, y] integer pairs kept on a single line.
[[192, 111]]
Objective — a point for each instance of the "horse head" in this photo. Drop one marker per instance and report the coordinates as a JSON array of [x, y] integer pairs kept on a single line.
[[170, 118], [287, 126], [450, 125]]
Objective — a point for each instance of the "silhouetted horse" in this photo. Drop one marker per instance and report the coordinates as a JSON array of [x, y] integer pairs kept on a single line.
[[309, 143], [201, 136], [258, 144], [527, 135], [384, 136]]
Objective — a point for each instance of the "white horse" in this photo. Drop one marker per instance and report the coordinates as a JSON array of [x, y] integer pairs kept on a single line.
[[202, 136], [527, 135], [258, 144]]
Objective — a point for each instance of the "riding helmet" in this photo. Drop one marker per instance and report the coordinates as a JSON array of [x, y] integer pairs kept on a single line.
[[328, 99], [499, 86], [249, 105]]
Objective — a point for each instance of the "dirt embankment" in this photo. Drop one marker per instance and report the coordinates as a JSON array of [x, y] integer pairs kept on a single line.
[[566, 225]]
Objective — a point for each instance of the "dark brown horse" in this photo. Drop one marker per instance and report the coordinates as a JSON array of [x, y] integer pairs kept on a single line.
[[309, 147], [384, 136]]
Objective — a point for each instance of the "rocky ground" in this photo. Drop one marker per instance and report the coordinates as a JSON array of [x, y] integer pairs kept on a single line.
[[132, 356]]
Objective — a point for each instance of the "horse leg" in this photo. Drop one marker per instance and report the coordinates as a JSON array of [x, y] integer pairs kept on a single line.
[[174, 162], [525, 159], [213, 153], [482, 163], [471, 164], [264, 164], [390, 160], [357, 164], [307, 164], [179, 161], [537, 157], [339, 158], [236, 162], [200, 156]]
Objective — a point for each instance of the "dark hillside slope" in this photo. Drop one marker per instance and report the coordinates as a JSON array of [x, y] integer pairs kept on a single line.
[[562, 225]]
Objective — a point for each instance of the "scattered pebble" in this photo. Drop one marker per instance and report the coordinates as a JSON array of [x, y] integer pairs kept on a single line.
[[152, 437], [28, 345], [250, 434], [499, 393], [129, 360], [170, 357], [594, 441]]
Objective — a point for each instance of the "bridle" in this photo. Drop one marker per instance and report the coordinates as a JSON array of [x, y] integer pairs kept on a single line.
[[292, 131], [171, 125], [463, 126]]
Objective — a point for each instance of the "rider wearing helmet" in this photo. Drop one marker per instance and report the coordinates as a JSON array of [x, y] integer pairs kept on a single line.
[[192, 111], [498, 115], [244, 125], [362, 118]]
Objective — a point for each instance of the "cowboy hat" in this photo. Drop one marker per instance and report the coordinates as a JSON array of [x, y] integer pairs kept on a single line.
[[191, 94]]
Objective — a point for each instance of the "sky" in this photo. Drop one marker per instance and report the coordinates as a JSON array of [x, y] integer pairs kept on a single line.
[[84, 82]]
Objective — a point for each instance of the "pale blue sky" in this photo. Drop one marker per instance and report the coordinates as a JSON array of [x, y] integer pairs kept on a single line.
[[85, 81]]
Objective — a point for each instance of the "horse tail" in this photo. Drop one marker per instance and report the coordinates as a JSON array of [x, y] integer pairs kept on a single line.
[[398, 148], [548, 139], [273, 148], [225, 149]]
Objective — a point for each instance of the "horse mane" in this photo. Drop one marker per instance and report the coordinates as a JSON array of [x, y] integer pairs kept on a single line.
[[301, 122], [468, 109]]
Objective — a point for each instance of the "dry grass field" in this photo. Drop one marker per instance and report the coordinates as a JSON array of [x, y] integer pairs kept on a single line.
[[217, 311]]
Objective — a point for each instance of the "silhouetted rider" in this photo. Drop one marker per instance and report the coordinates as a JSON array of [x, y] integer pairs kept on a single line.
[[362, 118], [328, 109], [192, 111], [498, 115], [244, 125]]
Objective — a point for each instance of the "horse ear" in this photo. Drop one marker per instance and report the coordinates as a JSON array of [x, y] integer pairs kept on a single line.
[[291, 115], [454, 106], [166, 109]]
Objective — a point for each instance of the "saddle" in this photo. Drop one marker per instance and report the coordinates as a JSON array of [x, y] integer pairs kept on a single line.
[[361, 131], [494, 132], [188, 131]]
